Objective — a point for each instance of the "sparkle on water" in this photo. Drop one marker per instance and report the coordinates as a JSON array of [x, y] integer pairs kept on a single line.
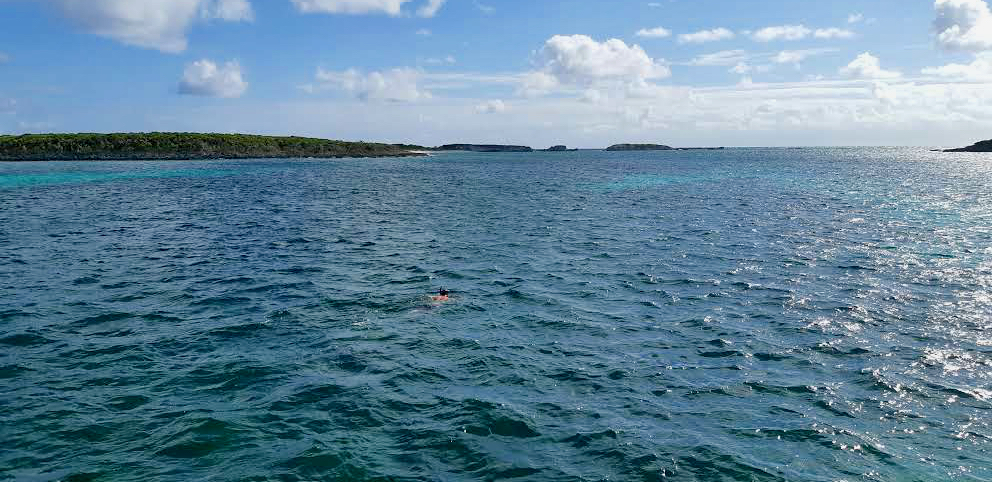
[[748, 314]]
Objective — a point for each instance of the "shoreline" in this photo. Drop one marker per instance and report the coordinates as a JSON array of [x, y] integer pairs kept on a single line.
[[178, 146], [216, 158]]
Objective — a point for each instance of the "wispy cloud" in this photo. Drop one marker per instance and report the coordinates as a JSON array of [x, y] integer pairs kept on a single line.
[[722, 58], [394, 85], [781, 32], [833, 33], [704, 36], [657, 32]]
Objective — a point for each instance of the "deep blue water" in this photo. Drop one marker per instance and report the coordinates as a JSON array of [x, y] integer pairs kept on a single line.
[[750, 314]]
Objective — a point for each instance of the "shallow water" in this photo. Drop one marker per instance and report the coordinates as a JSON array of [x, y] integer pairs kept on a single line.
[[749, 314]]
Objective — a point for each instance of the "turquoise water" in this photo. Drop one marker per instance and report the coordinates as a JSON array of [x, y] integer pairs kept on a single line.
[[748, 314]]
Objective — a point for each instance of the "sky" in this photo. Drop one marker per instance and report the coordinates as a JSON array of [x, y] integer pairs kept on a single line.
[[585, 73]]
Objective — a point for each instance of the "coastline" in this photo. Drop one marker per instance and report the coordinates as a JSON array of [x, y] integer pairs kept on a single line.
[[216, 158], [180, 146]]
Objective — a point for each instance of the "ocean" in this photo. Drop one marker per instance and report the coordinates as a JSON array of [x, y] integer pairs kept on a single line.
[[820, 314]]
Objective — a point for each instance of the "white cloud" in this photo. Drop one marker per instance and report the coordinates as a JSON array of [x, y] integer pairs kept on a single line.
[[706, 36], [431, 8], [578, 59], [395, 85], [867, 66], [535, 84], [722, 58], [783, 32], [592, 96], [832, 33], [849, 112], [963, 25], [855, 18], [206, 78], [389, 7], [657, 32], [491, 107], [441, 60], [798, 56], [424, 32], [155, 24], [229, 10], [979, 69]]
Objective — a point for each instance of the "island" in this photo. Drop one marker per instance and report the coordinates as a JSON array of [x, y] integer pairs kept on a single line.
[[185, 145], [483, 148], [983, 146], [559, 149], [639, 147]]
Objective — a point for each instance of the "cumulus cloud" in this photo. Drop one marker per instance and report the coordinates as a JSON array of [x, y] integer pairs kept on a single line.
[[782, 32], [855, 18], [704, 36], [155, 24], [979, 69], [867, 66], [832, 33], [963, 25], [389, 7], [395, 85], [206, 78], [722, 58], [657, 32], [491, 107], [579, 59]]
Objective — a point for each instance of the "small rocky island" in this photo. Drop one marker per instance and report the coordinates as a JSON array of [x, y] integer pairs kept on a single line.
[[639, 147], [483, 148], [181, 146], [983, 146], [559, 149]]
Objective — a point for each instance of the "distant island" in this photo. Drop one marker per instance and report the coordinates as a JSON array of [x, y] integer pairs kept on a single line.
[[983, 146], [639, 147], [483, 148], [179, 146], [658, 147], [190, 145]]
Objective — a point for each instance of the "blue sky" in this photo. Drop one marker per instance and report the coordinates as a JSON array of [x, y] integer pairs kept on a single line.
[[581, 72]]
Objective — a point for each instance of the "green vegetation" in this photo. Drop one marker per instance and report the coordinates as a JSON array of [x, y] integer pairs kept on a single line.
[[178, 146]]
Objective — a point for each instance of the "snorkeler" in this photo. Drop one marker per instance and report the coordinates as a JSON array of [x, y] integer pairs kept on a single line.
[[442, 295]]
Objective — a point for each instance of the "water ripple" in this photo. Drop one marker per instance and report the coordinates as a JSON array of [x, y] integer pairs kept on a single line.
[[746, 314]]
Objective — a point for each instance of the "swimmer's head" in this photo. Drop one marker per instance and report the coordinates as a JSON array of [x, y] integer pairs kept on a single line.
[[442, 292]]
